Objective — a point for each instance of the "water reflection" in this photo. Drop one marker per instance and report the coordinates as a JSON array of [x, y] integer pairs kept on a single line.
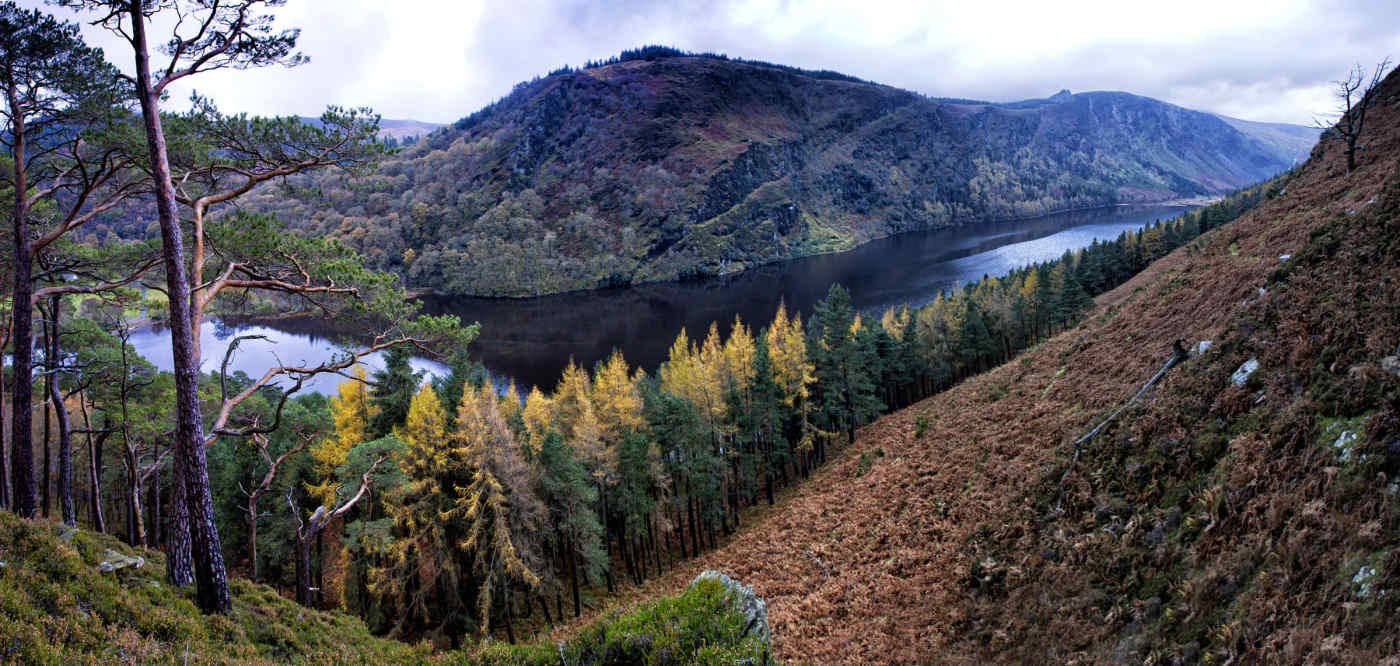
[[531, 340]]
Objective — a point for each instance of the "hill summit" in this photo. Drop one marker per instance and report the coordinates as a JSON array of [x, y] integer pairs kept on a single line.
[[661, 165]]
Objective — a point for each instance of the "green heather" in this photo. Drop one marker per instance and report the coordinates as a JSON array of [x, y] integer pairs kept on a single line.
[[58, 606]]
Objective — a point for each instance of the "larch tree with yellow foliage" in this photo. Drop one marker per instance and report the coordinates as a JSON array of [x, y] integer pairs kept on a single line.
[[351, 412], [423, 569], [503, 517], [792, 371]]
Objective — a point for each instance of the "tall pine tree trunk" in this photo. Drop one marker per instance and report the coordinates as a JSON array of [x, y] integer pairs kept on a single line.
[[211, 578], [22, 300], [154, 534], [4, 451], [179, 569], [46, 479]]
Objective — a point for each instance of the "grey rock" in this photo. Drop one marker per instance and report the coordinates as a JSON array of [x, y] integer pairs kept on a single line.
[[1343, 445], [112, 560], [1245, 370], [1391, 364], [1203, 347], [755, 610]]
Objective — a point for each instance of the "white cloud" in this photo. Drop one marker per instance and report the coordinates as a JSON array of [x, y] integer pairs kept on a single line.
[[1262, 60]]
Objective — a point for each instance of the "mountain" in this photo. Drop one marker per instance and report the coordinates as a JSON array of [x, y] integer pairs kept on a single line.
[[403, 129], [660, 165], [1290, 140], [390, 128], [1225, 516]]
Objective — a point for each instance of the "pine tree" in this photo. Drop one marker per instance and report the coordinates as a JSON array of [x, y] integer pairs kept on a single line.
[[842, 366], [569, 493], [393, 392]]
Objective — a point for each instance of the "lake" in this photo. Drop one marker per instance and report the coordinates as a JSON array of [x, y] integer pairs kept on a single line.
[[531, 340]]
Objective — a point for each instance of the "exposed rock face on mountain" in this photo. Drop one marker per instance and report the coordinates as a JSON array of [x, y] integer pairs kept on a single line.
[[677, 166]]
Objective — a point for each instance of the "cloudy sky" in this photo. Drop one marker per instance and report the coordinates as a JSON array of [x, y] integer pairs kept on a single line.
[[439, 60]]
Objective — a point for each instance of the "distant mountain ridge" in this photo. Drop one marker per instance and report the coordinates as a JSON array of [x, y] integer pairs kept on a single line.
[[661, 165], [392, 128]]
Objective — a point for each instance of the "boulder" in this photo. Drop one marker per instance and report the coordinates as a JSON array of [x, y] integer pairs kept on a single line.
[[1245, 370], [754, 609]]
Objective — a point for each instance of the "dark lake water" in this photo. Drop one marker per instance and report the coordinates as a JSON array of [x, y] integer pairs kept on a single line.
[[531, 340]]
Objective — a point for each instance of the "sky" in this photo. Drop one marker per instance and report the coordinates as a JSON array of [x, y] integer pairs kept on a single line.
[[439, 60]]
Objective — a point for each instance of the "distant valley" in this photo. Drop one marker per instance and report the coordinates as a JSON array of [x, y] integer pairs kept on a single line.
[[664, 166]]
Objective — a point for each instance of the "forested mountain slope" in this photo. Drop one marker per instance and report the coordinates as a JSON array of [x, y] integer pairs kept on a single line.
[[1210, 520], [660, 166]]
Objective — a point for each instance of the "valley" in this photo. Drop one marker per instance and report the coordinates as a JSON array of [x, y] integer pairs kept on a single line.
[[530, 341], [676, 357]]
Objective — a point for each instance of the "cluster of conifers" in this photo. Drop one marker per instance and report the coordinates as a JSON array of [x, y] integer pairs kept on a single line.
[[504, 504]]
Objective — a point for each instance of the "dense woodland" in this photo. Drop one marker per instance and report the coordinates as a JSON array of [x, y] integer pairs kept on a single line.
[[431, 508]]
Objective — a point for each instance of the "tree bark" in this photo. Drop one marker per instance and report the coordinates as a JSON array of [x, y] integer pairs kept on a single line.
[[505, 603], [94, 467], [573, 577], [544, 606], [4, 450], [191, 466], [65, 458], [153, 535], [135, 528], [46, 479], [253, 535], [65, 433], [22, 419], [303, 570], [179, 568]]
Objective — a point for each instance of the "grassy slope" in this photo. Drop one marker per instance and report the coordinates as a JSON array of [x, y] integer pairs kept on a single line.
[[58, 607], [947, 548]]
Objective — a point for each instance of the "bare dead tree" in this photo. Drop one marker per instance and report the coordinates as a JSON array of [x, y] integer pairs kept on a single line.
[[261, 489], [307, 530], [1354, 96]]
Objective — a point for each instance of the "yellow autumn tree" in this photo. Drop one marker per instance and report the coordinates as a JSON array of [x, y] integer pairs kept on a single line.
[[697, 375], [894, 321], [616, 401], [572, 398], [791, 369], [537, 414], [710, 380], [501, 513], [425, 432], [788, 349], [510, 402], [351, 411], [738, 356], [421, 568]]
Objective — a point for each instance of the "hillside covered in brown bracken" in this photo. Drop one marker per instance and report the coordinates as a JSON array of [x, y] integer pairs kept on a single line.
[[1220, 517]]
